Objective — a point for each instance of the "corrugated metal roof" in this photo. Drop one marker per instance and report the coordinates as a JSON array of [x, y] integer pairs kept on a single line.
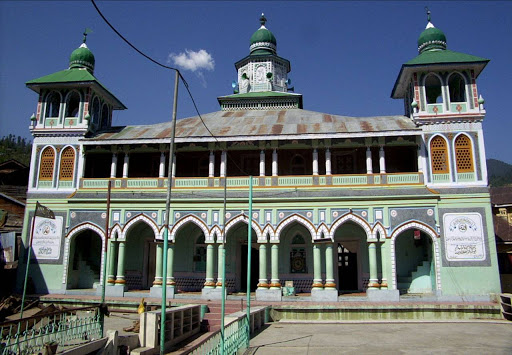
[[254, 123]]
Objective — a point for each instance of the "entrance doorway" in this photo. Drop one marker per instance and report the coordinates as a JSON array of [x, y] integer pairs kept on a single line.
[[347, 269], [255, 257]]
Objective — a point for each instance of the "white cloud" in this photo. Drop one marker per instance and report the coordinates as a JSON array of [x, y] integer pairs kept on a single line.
[[193, 61]]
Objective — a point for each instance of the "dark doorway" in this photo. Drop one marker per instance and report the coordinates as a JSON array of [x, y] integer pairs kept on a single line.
[[347, 269], [255, 256]]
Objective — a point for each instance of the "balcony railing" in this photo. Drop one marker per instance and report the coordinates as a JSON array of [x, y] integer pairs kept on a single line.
[[360, 180]]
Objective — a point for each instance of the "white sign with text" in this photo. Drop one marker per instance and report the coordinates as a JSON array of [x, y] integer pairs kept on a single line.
[[464, 237], [47, 238]]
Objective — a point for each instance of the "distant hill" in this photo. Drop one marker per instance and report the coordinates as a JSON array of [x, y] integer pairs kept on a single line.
[[499, 172]]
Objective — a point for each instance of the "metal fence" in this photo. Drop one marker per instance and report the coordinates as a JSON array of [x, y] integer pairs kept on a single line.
[[67, 327]]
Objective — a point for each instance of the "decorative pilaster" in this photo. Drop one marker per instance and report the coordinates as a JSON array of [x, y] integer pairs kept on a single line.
[[170, 266], [383, 260], [111, 262], [315, 161], [329, 267], [120, 264], [158, 267], [274, 281], [317, 266], [372, 259], [113, 166], [328, 170], [220, 264], [262, 282], [209, 266], [262, 163], [274, 162], [369, 163]]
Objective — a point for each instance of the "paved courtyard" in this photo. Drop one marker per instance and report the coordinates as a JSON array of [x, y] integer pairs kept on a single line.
[[384, 338]]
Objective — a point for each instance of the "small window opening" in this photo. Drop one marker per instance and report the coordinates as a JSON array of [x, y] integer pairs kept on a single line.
[[53, 105], [433, 89], [457, 87], [73, 105]]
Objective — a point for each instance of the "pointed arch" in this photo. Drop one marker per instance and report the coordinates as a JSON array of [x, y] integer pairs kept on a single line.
[[463, 148], [116, 230], [439, 154], [67, 245], [435, 242], [299, 219], [192, 219], [322, 228], [245, 219], [433, 85], [52, 104], [379, 228], [216, 231], [67, 163], [73, 103], [47, 160], [141, 218], [456, 83], [352, 218], [269, 231]]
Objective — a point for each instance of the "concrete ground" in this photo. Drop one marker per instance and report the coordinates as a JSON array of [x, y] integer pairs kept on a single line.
[[384, 338]]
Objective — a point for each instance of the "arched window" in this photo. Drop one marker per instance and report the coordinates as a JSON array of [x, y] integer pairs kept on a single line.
[[67, 164], [457, 88], [52, 105], [439, 156], [433, 89], [298, 255], [463, 154], [104, 116], [47, 164], [73, 104], [298, 165], [95, 112]]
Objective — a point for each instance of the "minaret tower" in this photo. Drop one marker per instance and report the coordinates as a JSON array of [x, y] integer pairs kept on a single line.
[[440, 94]]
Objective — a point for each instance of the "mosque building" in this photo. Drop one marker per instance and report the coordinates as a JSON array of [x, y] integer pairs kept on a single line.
[[386, 205]]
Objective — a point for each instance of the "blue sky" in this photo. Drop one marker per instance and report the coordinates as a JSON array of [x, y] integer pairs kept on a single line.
[[345, 56]]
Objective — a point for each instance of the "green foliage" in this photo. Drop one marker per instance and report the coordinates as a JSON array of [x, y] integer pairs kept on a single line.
[[15, 147], [499, 172]]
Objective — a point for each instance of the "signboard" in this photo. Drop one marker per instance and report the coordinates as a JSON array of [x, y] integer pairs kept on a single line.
[[464, 237], [47, 238]]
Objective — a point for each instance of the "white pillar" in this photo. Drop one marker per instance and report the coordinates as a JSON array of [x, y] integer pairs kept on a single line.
[[328, 162], [274, 162], [315, 161], [382, 160], [125, 165], [211, 164], [262, 163], [369, 163], [113, 166], [223, 164], [161, 167], [420, 159], [174, 165]]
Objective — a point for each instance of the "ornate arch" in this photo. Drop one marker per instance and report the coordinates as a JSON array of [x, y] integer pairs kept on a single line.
[[216, 231], [192, 219], [353, 218], [116, 229], [244, 218], [322, 228], [435, 242], [141, 218], [268, 230], [379, 228], [299, 219], [71, 235], [461, 157]]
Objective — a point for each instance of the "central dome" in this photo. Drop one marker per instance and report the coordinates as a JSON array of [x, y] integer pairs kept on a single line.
[[263, 41], [82, 57], [431, 39]]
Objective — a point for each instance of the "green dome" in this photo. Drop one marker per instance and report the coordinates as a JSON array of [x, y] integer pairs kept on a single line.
[[431, 39], [82, 57], [263, 41]]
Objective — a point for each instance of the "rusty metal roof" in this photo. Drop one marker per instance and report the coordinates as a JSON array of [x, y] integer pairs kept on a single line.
[[256, 124]]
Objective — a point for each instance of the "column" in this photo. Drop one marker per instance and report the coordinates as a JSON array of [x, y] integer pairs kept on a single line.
[[209, 283], [328, 162], [274, 281], [369, 163], [211, 165], [274, 162], [125, 165], [158, 265], [317, 266], [420, 159], [262, 282], [170, 266], [111, 262], [329, 267], [315, 161], [262, 163], [161, 167], [383, 256], [372, 259], [120, 264], [223, 164], [174, 165], [113, 166], [382, 160], [220, 264]]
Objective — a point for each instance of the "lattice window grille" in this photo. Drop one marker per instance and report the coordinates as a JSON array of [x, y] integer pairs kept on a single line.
[[47, 164], [67, 164], [439, 154], [463, 154]]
